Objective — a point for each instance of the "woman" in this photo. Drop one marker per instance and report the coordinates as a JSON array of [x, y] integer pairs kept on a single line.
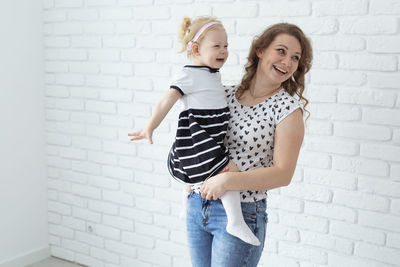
[[264, 137]]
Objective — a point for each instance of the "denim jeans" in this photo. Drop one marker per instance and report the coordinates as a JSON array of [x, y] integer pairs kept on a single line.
[[209, 243]]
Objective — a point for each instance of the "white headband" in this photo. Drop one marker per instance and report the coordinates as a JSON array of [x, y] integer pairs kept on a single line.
[[196, 37]]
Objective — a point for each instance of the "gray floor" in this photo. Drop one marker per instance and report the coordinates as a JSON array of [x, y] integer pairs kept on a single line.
[[54, 262]]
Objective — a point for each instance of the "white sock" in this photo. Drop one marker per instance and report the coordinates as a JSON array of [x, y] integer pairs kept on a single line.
[[236, 225], [185, 200]]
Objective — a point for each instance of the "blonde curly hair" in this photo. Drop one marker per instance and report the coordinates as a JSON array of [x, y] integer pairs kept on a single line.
[[189, 28]]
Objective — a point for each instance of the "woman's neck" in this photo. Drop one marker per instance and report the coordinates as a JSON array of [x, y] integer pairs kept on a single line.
[[260, 88]]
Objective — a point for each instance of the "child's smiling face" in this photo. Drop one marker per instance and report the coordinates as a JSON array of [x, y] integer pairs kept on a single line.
[[212, 49]]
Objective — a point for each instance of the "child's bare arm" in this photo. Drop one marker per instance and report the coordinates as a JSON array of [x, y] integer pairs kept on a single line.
[[231, 167], [161, 109]]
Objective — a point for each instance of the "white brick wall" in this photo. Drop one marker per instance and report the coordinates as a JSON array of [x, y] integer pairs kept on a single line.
[[112, 202]]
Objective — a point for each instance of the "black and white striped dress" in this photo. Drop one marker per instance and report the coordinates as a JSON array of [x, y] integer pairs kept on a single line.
[[198, 151]]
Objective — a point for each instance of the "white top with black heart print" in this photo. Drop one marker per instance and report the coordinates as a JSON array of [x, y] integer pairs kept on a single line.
[[251, 130]]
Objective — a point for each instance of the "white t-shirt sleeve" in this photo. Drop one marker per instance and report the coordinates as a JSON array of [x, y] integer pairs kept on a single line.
[[183, 82]]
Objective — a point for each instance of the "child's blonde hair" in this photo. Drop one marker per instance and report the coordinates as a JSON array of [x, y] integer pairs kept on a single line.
[[190, 27]]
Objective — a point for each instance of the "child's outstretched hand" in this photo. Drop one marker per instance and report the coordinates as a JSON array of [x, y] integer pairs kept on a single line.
[[142, 134]]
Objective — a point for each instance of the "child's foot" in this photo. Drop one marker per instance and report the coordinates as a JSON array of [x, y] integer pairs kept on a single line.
[[243, 232]]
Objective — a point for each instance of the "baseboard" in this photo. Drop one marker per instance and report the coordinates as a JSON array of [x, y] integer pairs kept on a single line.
[[28, 258]]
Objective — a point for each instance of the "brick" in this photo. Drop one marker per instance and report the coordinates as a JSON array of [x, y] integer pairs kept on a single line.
[[99, 28], [120, 148], [74, 177], [58, 162], [374, 185], [61, 231], [314, 255], [117, 172], [86, 167], [361, 166], [337, 259], [319, 127], [154, 257], [170, 248], [382, 116], [117, 68], [86, 191], [363, 96], [340, 8], [75, 246], [120, 248], [379, 253], [87, 215], [103, 207], [152, 179], [395, 172], [101, 132], [331, 211], [386, 44], [138, 55], [100, 106], [331, 146], [72, 200], [303, 221], [107, 232], [356, 232], [384, 80], [315, 160], [134, 27], [138, 240], [383, 152], [102, 182], [100, 3], [86, 142], [74, 223], [154, 205], [118, 222], [59, 208], [307, 192], [326, 242], [360, 201], [68, 4], [104, 255], [62, 253], [283, 233], [338, 43], [151, 13], [330, 178], [282, 8], [362, 131], [70, 80], [316, 26], [56, 91], [238, 10], [378, 220], [118, 197], [393, 240], [368, 62], [119, 42], [115, 14], [89, 118], [388, 7], [337, 77], [85, 42], [67, 28], [56, 42], [369, 25], [89, 239], [136, 214], [117, 121], [83, 15], [88, 261], [326, 61]]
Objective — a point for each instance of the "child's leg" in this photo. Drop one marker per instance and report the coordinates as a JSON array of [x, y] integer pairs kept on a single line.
[[185, 193], [236, 225]]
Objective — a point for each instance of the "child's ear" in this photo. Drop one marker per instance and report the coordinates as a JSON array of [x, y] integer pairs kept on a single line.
[[195, 49]]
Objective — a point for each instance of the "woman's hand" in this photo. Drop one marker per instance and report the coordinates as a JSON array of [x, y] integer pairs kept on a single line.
[[214, 187]]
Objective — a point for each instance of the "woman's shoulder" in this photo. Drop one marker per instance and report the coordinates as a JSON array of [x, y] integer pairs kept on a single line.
[[286, 104], [230, 90]]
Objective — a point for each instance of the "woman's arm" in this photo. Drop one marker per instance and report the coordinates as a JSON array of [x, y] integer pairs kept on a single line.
[[289, 136], [161, 109]]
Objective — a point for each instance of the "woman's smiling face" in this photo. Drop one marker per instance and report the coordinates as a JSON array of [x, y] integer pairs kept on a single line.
[[280, 59]]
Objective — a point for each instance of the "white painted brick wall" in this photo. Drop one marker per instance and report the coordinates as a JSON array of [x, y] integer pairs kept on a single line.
[[112, 202]]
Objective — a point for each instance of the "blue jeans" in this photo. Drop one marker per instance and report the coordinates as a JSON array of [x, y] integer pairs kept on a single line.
[[209, 243]]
